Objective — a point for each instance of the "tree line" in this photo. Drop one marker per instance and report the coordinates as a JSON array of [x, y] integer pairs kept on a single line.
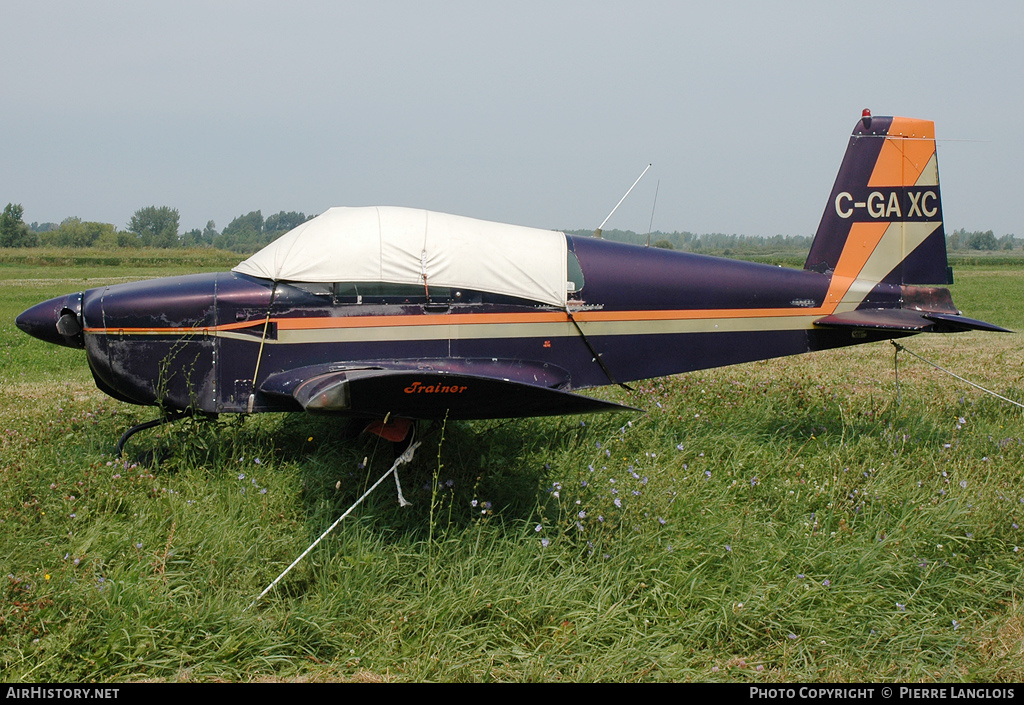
[[710, 243], [977, 240], [960, 240], [159, 226], [152, 226]]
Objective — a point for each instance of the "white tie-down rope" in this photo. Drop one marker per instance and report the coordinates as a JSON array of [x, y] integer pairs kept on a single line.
[[952, 374], [405, 457]]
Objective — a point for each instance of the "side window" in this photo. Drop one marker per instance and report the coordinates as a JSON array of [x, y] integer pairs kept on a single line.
[[303, 289], [385, 293], [574, 274]]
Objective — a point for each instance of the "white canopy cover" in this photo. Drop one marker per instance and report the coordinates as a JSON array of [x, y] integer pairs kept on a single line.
[[404, 245]]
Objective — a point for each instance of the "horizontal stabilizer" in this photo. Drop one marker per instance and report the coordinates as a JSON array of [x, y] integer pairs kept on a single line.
[[910, 321], [964, 323], [878, 318], [434, 394]]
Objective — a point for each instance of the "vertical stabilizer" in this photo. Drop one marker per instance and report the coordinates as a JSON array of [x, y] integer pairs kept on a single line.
[[883, 219]]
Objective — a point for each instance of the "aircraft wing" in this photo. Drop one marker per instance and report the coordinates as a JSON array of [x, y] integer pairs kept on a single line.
[[909, 320], [429, 391]]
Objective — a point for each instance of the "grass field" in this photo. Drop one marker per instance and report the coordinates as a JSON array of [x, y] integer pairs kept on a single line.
[[789, 520]]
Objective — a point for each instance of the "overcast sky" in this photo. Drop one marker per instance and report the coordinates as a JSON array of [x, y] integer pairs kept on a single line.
[[536, 113]]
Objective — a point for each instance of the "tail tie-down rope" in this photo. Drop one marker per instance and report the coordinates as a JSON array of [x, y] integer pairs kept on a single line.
[[900, 348]]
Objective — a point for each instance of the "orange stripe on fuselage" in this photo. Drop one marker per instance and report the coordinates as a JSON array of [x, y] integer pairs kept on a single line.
[[487, 319], [417, 320]]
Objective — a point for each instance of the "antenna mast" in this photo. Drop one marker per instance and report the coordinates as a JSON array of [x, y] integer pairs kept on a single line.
[[597, 233], [651, 224]]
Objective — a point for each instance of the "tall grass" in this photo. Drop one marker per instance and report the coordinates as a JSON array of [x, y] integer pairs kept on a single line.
[[783, 520]]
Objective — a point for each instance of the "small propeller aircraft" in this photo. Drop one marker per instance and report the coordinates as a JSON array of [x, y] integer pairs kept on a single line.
[[396, 314]]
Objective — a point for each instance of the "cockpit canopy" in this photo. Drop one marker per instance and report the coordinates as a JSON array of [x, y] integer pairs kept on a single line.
[[393, 245]]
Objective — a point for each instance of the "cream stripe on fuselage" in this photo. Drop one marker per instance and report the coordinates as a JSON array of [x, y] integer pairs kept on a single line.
[[481, 331]]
